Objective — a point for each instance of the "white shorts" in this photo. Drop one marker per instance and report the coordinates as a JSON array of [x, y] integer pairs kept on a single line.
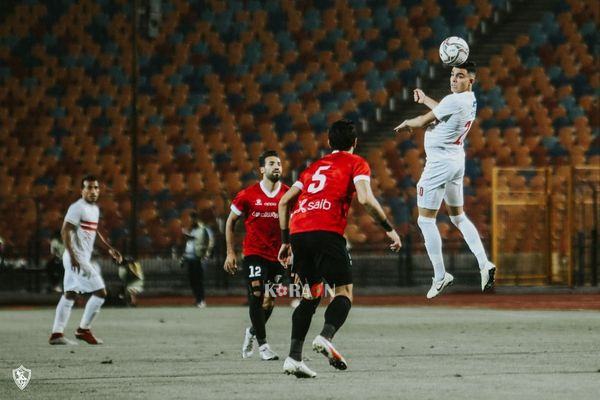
[[88, 279], [441, 180]]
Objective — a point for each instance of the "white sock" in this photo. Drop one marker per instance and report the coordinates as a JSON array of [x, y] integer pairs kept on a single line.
[[92, 308], [433, 244], [471, 236], [63, 312]]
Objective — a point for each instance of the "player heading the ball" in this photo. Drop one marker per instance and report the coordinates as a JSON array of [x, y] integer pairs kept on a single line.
[[448, 124]]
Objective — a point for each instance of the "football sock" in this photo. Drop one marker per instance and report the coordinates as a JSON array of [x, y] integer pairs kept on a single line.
[[335, 315], [63, 312], [257, 317], [92, 308], [433, 244], [268, 312], [469, 232], [301, 319]]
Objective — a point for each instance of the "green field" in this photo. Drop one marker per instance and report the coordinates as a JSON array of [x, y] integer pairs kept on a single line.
[[393, 353]]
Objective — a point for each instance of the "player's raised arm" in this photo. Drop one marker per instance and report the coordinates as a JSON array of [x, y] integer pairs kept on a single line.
[[114, 253], [367, 199], [231, 260], [421, 98], [66, 231], [417, 122], [285, 252]]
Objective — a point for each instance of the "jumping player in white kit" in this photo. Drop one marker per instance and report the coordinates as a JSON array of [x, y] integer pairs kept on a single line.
[[442, 178], [81, 276]]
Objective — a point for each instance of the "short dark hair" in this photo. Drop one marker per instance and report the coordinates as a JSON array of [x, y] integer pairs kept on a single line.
[[263, 157], [470, 66], [342, 134], [89, 178]]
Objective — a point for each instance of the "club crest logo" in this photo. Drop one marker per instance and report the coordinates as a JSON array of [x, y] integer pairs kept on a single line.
[[21, 376]]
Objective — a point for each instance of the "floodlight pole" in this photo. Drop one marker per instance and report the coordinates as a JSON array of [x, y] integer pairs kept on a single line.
[[134, 131]]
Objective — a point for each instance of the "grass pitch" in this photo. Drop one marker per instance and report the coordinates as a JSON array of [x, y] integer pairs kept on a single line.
[[393, 353]]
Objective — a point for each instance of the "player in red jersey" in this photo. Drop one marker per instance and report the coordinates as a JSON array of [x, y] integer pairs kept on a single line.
[[258, 204], [324, 192]]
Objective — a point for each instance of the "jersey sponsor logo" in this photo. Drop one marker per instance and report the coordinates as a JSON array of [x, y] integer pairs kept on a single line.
[[266, 214], [258, 202], [305, 206]]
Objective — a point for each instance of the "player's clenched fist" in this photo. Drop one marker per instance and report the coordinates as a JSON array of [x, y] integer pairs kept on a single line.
[[116, 255], [419, 96], [396, 243], [230, 264], [285, 255]]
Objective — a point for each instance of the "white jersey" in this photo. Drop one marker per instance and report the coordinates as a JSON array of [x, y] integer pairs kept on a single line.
[[455, 114], [85, 217]]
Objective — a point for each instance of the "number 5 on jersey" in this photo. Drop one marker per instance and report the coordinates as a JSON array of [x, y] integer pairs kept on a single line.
[[318, 180]]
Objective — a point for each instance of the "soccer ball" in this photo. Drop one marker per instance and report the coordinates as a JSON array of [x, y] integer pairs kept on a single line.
[[454, 51]]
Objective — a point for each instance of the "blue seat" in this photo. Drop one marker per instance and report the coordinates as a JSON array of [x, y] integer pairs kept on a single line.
[[183, 149], [104, 140], [312, 20], [58, 112], [253, 53], [176, 38], [348, 67], [289, 97], [185, 110], [364, 23], [318, 121], [155, 120], [200, 48], [283, 124], [381, 18]]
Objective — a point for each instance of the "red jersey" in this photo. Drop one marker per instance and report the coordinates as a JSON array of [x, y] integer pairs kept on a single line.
[[259, 206], [327, 189]]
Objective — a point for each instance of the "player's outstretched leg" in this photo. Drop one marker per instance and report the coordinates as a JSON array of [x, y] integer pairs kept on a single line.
[[471, 236], [92, 308], [433, 245], [335, 316], [61, 318], [301, 319]]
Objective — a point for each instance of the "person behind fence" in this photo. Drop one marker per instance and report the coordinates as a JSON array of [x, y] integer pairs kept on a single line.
[[198, 247], [132, 277], [1, 252], [54, 267]]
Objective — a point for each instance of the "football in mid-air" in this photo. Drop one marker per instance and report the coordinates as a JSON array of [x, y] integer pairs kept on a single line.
[[454, 51]]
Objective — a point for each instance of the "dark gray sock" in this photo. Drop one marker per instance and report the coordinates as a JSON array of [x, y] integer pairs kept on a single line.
[[336, 315]]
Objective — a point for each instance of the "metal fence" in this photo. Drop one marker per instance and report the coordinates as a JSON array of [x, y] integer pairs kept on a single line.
[[545, 225], [163, 273]]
